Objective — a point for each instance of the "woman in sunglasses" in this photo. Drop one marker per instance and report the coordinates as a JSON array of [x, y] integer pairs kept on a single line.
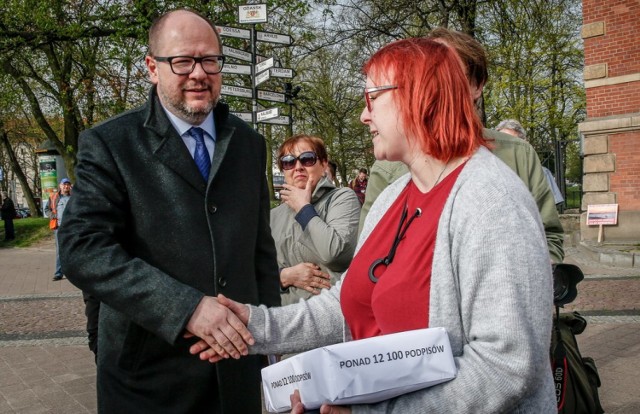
[[456, 243], [316, 226]]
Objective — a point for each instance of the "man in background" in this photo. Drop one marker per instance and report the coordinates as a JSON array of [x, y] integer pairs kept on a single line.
[[55, 210], [359, 184], [8, 213], [515, 128]]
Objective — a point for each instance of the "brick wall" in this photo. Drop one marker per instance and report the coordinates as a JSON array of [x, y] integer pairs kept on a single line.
[[618, 48], [623, 98], [625, 182]]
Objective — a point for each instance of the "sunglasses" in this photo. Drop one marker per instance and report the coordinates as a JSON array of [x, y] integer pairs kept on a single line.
[[307, 159], [368, 91]]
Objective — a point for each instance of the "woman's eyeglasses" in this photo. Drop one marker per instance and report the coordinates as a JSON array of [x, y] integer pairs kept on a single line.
[[368, 91], [307, 159]]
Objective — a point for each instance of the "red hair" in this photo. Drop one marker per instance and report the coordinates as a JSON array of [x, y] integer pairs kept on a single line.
[[433, 95]]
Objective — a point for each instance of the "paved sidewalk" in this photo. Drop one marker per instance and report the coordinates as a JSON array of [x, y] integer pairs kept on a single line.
[[46, 367]]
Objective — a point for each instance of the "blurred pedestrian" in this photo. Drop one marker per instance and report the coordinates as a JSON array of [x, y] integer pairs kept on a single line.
[[359, 184], [8, 213], [55, 210]]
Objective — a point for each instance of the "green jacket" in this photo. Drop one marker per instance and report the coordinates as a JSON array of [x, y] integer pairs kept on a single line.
[[519, 155]]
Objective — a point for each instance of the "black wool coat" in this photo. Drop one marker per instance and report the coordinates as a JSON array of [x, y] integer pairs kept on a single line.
[[147, 236]]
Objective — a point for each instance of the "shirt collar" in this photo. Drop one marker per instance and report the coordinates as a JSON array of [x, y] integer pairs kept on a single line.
[[182, 126]]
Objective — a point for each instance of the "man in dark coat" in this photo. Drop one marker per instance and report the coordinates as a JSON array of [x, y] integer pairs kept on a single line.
[[8, 213], [155, 238]]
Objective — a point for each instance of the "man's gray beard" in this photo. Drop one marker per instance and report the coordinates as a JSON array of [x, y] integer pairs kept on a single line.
[[187, 114]]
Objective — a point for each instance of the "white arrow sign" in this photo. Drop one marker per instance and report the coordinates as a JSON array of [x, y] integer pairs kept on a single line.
[[234, 32], [281, 73], [271, 96], [267, 114], [273, 38], [262, 77], [245, 116], [237, 69], [280, 120], [236, 53], [236, 91], [264, 65]]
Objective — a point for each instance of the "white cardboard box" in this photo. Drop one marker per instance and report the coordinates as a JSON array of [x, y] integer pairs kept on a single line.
[[365, 371]]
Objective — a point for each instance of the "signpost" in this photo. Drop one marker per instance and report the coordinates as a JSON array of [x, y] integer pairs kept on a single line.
[[601, 215], [260, 68]]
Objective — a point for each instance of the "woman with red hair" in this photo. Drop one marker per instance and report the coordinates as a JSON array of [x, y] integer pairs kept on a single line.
[[456, 243]]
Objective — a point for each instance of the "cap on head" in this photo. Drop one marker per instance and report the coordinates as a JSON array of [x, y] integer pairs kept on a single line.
[[65, 181]]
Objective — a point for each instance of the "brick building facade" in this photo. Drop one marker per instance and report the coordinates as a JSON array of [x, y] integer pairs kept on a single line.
[[611, 34]]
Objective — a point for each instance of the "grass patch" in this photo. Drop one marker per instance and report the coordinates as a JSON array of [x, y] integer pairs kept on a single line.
[[28, 232]]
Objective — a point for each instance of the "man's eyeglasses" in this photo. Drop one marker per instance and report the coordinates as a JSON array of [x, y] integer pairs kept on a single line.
[[184, 65], [307, 159], [368, 91]]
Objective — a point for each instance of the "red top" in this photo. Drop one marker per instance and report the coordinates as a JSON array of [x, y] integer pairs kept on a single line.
[[399, 301]]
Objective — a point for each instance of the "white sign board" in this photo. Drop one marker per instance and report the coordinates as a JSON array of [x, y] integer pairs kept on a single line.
[[281, 120], [271, 96], [234, 32], [262, 77], [267, 114], [273, 38], [282, 73], [252, 13], [236, 69], [236, 53], [264, 65], [236, 91], [602, 214], [365, 371], [245, 116]]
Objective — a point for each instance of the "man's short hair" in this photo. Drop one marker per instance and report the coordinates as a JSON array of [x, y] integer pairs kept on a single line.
[[363, 170], [158, 25], [513, 125]]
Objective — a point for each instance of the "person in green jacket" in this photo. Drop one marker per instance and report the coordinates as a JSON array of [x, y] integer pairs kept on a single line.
[[519, 155]]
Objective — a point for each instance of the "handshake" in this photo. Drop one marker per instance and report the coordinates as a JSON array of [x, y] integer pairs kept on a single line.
[[221, 325]]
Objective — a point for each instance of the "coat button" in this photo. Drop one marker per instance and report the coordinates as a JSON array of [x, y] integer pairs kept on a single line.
[[222, 281], [213, 208]]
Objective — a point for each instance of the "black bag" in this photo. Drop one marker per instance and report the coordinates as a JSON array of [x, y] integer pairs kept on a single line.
[[576, 378]]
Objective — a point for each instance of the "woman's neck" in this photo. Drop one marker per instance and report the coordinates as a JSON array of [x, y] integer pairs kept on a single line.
[[427, 172]]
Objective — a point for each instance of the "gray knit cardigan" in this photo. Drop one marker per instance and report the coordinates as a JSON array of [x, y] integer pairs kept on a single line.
[[491, 288]]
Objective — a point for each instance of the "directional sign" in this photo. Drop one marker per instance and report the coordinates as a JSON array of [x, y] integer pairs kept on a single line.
[[267, 114], [234, 32], [273, 38], [237, 69], [236, 53], [245, 116], [264, 65], [262, 77], [236, 91], [280, 120], [271, 96], [281, 73], [252, 13]]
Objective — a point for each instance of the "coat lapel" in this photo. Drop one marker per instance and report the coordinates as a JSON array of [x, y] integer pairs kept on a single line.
[[224, 132]]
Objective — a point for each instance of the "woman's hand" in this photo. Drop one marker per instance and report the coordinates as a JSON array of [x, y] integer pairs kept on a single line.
[[307, 276], [298, 408], [295, 197]]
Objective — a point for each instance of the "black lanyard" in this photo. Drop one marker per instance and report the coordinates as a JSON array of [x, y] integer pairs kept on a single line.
[[399, 236]]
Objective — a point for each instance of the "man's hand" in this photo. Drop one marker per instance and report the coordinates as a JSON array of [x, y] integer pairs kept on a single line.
[[298, 408], [216, 353], [219, 328], [307, 276]]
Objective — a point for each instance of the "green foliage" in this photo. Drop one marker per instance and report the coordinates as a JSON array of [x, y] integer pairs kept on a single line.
[[28, 231]]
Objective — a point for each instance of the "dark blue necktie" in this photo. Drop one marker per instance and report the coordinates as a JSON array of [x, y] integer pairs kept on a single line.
[[201, 155]]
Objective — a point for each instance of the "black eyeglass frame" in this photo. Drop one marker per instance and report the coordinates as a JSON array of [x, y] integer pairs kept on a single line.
[[169, 59], [288, 162], [367, 91]]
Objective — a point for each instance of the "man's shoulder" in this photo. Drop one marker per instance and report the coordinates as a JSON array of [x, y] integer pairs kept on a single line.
[[507, 141]]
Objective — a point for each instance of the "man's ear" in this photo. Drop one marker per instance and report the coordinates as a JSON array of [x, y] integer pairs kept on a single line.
[[152, 67]]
